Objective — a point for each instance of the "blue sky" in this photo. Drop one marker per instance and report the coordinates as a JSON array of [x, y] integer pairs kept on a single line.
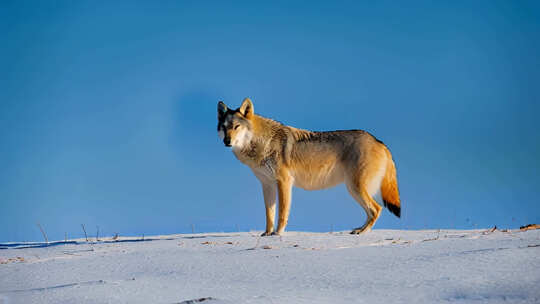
[[108, 110]]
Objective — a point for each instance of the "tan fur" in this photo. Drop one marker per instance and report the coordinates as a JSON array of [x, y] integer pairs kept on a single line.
[[282, 156], [389, 187]]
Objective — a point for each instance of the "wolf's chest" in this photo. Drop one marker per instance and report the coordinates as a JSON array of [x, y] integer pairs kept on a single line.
[[265, 172]]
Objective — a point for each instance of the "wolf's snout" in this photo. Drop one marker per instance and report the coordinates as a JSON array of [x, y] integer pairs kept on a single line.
[[227, 141]]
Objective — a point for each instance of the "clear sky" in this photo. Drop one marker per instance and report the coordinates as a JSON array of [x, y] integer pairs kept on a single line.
[[108, 110]]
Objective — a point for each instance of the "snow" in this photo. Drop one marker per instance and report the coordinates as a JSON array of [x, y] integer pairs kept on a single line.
[[383, 266]]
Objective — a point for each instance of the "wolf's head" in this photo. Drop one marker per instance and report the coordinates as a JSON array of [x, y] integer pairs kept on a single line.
[[235, 126]]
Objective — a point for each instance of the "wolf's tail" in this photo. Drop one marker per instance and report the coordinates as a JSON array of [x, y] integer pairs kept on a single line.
[[389, 187]]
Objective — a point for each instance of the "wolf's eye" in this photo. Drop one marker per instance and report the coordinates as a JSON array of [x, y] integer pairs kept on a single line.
[[236, 127]]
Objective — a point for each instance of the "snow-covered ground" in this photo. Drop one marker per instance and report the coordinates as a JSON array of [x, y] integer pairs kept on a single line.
[[383, 266]]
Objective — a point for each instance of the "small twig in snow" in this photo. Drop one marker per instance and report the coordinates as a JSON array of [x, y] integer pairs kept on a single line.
[[435, 238], [43, 232], [490, 230], [196, 300], [85, 235]]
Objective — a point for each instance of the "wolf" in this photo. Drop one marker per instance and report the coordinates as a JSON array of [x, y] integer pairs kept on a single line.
[[281, 157]]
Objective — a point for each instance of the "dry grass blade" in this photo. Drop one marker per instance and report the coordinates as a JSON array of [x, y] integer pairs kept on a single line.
[[490, 230]]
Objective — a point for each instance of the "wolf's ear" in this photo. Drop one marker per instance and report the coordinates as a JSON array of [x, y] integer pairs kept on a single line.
[[246, 108], [221, 109]]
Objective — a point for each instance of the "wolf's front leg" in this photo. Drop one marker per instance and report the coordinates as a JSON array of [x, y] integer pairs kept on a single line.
[[269, 192], [284, 192]]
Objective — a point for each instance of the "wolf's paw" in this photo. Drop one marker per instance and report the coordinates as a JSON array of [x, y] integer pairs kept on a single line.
[[360, 230], [267, 233], [277, 233]]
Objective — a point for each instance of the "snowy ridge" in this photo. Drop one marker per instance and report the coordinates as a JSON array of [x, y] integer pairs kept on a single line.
[[383, 266]]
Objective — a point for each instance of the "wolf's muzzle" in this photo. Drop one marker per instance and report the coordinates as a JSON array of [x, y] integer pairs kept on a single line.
[[227, 141]]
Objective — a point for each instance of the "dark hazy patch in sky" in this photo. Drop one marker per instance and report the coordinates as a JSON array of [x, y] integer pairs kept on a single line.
[[108, 110]]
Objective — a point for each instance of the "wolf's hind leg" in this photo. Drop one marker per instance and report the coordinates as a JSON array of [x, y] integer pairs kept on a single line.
[[373, 210]]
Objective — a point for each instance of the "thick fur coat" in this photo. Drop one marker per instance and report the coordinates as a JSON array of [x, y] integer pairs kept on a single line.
[[282, 156]]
